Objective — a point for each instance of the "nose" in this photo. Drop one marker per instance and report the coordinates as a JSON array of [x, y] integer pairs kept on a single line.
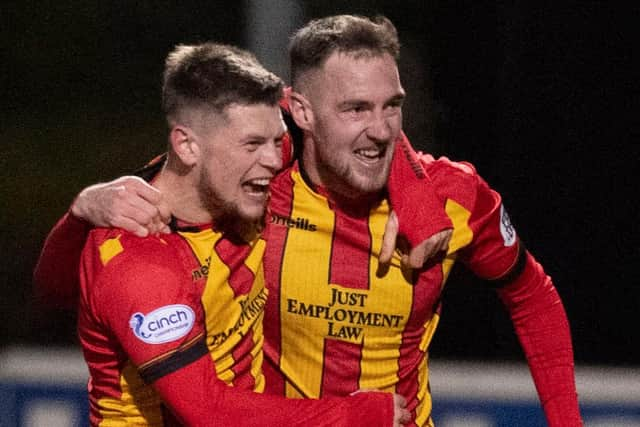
[[271, 156], [379, 128]]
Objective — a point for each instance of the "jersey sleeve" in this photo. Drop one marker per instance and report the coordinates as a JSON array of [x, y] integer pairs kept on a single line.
[[543, 330], [137, 293], [141, 297], [484, 237], [413, 196], [490, 247], [55, 277], [200, 399]]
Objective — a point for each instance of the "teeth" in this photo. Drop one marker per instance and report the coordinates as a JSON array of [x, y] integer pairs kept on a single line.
[[371, 153], [259, 182]]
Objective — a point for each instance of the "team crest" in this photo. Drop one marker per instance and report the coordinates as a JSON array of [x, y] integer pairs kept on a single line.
[[506, 228]]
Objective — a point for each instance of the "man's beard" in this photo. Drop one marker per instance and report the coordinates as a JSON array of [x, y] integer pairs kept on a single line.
[[340, 175], [226, 214]]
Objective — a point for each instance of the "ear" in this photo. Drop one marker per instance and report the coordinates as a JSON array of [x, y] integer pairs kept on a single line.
[[301, 111], [185, 144]]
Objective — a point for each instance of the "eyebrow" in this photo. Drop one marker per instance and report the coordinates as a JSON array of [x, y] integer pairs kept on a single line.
[[396, 98], [258, 137], [355, 102]]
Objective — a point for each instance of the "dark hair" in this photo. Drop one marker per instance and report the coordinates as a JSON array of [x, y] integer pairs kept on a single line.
[[214, 76], [312, 44]]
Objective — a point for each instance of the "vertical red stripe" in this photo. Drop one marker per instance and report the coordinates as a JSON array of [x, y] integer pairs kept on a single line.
[[425, 301], [350, 251], [234, 255], [242, 366], [281, 203], [341, 371]]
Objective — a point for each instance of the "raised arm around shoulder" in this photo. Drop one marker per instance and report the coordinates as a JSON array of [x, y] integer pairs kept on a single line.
[[128, 202], [55, 277]]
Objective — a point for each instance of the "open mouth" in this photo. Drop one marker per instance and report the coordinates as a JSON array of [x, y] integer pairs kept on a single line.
[[258, 187], [370, 156]]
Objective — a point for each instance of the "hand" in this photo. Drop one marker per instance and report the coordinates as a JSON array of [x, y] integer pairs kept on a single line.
[[418, 255], [127, 202], [401, 414]]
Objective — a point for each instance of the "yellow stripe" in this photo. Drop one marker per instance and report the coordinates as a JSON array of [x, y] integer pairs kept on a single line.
[[423, 411], [461, 237], [390, 294], [201, 243], [224, 309], [313, 270], [109, 249], [138, 405]]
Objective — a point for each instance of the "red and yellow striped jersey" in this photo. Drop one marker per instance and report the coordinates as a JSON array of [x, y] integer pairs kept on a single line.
[[164, 319], [147, 310], [336, 321]]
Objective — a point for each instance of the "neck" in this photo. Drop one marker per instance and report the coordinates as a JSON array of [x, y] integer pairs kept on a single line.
[[179, 187]]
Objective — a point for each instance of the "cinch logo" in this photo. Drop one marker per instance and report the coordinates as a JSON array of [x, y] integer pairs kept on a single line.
[[300, 223], [164, 324]]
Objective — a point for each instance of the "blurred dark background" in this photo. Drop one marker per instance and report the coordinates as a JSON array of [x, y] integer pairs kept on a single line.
[[539, 96]]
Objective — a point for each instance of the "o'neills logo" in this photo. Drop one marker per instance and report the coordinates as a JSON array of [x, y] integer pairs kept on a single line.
[[164, 324], [299, 223]]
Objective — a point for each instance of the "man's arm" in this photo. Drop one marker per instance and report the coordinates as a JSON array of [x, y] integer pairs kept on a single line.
[[55, 277], [418, 210], [128, 202], [144, 278], [199, 399], [542, 327], [497, 254]]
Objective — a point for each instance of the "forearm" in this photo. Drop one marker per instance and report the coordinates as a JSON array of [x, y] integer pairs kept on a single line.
[[543, 330], [413, 196], [198, 398], [55, 277]]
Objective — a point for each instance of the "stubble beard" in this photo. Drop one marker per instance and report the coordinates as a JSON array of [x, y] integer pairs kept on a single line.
[[350, 182], [226, 214]]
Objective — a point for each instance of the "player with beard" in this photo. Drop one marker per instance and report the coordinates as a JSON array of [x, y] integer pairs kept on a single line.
[[337, 319], [166, 324]]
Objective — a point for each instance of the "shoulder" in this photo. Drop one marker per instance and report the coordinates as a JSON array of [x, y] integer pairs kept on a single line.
[[443, 166], [118, 260], [115, 245], [457, 180]]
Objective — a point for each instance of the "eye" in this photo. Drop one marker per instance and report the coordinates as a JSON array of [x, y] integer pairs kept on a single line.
[[253, 145], [395, 104], [356, 110]]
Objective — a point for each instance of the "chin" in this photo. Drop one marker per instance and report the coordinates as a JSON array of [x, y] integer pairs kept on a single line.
[[251, 214], [367, 184]]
